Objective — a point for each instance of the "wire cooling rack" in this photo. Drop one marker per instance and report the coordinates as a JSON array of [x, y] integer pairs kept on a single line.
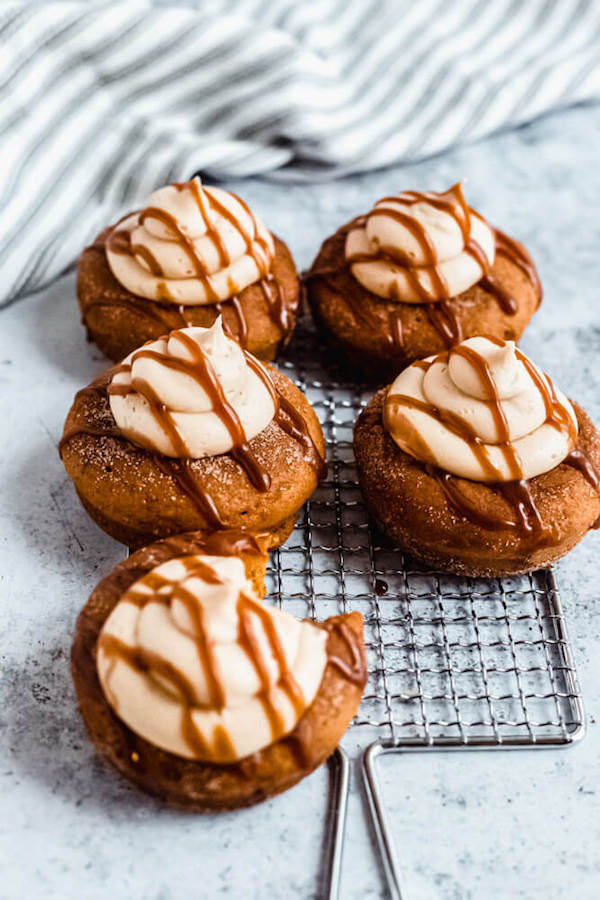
[[454, 663]]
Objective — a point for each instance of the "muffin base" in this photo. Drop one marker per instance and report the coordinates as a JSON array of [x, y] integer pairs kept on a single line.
[[199, 786], [410, 507], [274, 537]]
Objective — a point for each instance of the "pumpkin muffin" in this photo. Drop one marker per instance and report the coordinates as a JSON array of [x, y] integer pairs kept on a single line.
[[192, 254], [417, 274], [473, 462], [196, 691], [191, 432]]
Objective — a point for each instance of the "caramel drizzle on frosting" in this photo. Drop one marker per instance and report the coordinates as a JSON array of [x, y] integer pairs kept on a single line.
[[517, 492], [247, 607], [144, 662], [440, 313], [291, 421], [119, 241], [202, 372], [455, 207], [287, 417]]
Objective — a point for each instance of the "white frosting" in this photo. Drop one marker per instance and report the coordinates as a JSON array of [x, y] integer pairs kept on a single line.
[[162, 627], [190, 407], [452, 387], [457, 269], [195, 210]]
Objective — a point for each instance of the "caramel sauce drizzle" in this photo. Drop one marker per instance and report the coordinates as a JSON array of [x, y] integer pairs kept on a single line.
[[354, 672], [248, 609], [293, 423], [300, 741], [178, 469], [439, 312], [579, 460], [204, 646], [186, 244], [202, 372], [241, 333], [290, 420], [119, 242], [181, 471], [147, 661], [279, 310], [152, 663], [444, 320], [463, 506], [517, 491], [246, 606], [517, 254]]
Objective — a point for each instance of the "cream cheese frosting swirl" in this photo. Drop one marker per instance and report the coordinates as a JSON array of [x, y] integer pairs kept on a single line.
[[420, 247], [191, 394], [191, 245], [195, 664], [482, 411]]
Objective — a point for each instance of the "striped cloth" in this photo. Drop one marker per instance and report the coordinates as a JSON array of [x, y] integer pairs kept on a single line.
[[101, 103]]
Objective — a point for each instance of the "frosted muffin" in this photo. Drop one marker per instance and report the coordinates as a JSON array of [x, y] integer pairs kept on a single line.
[[191, 433], [417, 274], [473, 462], [192, 254], [199, 693]]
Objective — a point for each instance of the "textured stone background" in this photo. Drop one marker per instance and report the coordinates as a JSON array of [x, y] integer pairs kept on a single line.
[[498, 825]]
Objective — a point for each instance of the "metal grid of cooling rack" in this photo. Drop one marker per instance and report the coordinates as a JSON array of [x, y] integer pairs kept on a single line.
[[453, 662]]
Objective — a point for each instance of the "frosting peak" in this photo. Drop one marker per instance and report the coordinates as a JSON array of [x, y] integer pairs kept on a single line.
[[420, 247], [506, 376], [190, 245], [192, 393], [192, 661], [481, 411]]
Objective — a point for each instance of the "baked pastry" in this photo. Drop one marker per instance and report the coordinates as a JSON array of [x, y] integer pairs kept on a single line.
[[417, 274], [192, 433], [196, 691], [473, 462], [192, 254]]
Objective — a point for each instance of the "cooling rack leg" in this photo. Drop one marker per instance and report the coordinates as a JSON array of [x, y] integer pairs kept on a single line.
[[380, 821], [336, 823]]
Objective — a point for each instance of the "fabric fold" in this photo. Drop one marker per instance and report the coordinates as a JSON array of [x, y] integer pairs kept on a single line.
[[103, 103]]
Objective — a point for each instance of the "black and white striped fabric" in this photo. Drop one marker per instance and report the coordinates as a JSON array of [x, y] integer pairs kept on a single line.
[[102, 103]]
